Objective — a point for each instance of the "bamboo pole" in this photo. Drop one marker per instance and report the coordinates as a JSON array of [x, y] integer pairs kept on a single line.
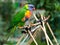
[[24, 39], [52, 33], [44, 30], [35, 33], [30, 41], [47, 37], [20, 39], [32, 37], [45, 33]]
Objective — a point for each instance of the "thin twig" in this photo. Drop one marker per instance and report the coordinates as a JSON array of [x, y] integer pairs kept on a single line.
[[24, 39], [35, 33], [52, 33], [38, 20], [32, 37], [44, 30], [20, 39]]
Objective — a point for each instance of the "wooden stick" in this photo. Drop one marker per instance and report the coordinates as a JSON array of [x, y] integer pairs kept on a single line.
[[30, 40], [32, 37], [45, 35], [24, 39], [20, 39], [48, 39], [44, 29], [52, 33], [35, 17]]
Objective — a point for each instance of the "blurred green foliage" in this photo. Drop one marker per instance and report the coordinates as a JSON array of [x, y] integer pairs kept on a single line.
[[46, 4], [6, 10]]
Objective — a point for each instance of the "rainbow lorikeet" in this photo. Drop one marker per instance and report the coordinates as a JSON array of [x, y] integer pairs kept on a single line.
[[22, 16]]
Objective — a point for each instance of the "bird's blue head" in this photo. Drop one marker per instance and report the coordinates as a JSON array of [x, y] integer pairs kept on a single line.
[[30, 7]]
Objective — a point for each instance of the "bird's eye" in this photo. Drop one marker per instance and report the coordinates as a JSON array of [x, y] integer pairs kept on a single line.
[[31, 7]]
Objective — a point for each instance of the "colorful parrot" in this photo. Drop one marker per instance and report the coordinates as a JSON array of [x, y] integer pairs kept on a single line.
[[22, 16]]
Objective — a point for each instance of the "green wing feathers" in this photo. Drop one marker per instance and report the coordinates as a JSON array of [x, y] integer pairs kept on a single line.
[[17, 18]]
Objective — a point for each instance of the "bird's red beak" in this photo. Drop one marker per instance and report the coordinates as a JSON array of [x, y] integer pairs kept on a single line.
[[33, 8]]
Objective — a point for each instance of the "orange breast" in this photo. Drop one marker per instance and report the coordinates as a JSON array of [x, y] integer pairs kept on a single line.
[[28, 14]]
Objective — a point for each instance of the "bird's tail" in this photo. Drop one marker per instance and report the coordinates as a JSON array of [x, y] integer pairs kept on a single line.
[[9, 29]]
